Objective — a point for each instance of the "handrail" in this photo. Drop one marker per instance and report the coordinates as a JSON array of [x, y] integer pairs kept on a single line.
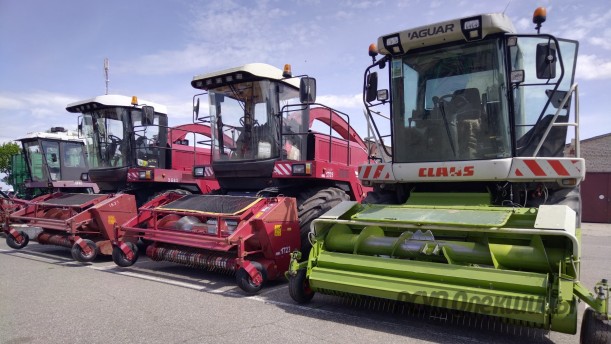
[[335, 120], [552, 123]]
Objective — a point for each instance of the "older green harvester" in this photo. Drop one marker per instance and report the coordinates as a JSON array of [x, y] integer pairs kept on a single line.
[[478, 211]]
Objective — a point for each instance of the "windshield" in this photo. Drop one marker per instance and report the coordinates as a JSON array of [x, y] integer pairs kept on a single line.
[[55, 160], [244, 115], [34, 158], [107, 132], [448, 104]]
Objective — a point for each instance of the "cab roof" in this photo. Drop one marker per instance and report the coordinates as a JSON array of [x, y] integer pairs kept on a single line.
[[463, 29], [111, 100], [248, 72]]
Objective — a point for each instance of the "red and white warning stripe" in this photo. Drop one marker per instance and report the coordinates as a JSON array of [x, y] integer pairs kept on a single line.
[[376, 172], [282, 169], [547, 168], [132, 175], [208, 171]]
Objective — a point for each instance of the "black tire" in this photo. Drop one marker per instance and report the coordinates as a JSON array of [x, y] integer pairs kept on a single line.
[[12, 242], [245, 282], [594, 330], [311, 206], [299, 287], [80, 256], [119, 257]]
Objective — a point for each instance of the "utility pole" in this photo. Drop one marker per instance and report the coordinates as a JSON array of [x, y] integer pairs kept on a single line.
[[106, 68]]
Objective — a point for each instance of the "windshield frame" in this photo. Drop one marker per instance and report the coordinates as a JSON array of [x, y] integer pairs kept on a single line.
[[246, 115], [112, 134]]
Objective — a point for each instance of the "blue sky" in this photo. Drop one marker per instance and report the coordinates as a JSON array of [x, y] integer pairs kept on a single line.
[[52, 52]]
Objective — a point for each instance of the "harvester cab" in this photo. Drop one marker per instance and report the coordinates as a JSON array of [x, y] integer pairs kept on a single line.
[[138, 152], [266, 118], [275, 176], [478, 210], [54, 160]]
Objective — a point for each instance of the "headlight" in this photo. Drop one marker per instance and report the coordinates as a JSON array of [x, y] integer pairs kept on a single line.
[[85, 177], [198, 171], [301, 169], [144, 174]]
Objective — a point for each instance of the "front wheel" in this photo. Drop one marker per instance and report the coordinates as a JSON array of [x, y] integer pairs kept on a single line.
[[594, 329], [16, 243], [246, 283], [121, 259], [80, 256], [311, 207], [299, 287]]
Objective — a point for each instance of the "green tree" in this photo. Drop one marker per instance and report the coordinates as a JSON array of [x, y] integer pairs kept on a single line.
[[7, 150]]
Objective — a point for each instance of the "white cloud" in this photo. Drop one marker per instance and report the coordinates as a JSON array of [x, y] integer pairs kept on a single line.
[[254, 32], [523, 24], [592, 67], [603, 41], [362, 4], [342, 101], [585, 26]]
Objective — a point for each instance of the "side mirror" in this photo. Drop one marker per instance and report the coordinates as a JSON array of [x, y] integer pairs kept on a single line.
[[546, 61], [53, 157], [148, 115], [79, 127], [196, 109], [307, 90], [371, 87]]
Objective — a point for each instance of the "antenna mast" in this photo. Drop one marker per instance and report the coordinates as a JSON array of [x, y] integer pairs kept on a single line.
[[106, 68]]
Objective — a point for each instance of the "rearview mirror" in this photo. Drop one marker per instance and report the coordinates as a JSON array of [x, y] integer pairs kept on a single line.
[[371, 87], [307, 90], [546, 61]]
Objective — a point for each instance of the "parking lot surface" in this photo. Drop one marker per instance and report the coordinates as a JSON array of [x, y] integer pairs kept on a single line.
[[46, 297]]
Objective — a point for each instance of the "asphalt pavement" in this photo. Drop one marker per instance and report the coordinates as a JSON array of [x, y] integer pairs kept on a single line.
[[46, 297]]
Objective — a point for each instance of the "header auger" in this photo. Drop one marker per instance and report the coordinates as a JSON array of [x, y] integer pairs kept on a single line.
[[478, 210]]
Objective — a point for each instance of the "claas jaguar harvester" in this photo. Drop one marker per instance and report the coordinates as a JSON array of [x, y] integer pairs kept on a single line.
[[478, 212], [275, 175], [136, 156]]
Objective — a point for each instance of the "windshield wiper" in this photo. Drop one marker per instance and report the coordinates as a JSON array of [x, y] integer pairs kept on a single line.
[[447, 125]]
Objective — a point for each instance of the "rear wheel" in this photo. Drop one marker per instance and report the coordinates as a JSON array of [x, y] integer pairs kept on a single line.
[[312, 206], [594, 330], [119, 257], [246, 283], [299, 287], [12, 242], [80, 256]]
